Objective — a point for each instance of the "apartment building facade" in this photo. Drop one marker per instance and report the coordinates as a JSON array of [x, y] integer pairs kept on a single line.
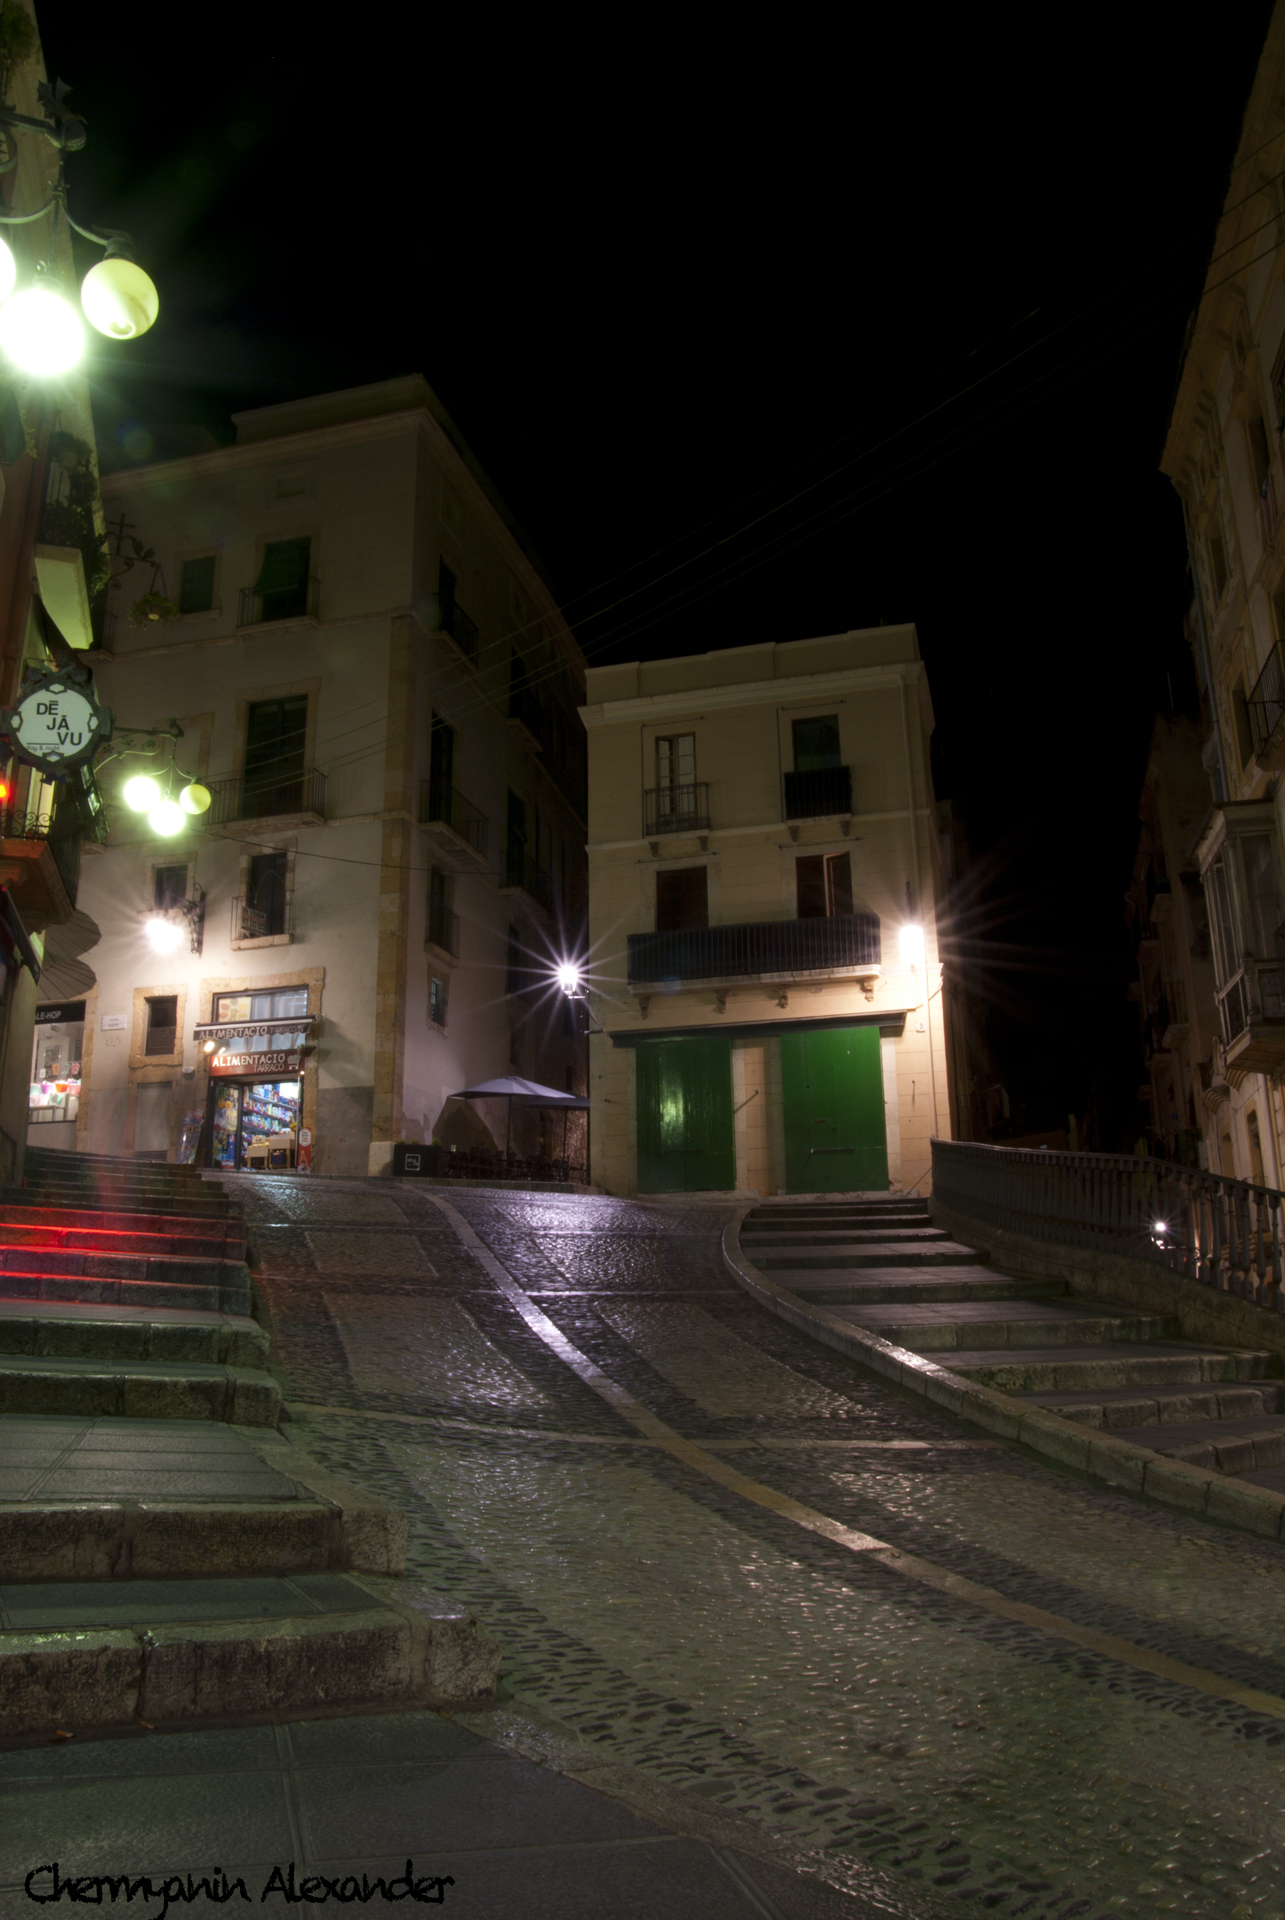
[[346, 641], [763, 957], [1223, 454]]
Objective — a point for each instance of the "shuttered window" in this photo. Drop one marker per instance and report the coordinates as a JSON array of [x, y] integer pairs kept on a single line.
[[682, 899]]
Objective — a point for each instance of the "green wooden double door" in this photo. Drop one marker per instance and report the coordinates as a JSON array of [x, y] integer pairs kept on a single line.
[[832, 1091]]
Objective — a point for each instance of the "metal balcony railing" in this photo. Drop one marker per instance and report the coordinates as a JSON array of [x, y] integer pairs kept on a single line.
[[1255, 994], [266, 795], [282, 603], [262, 919], [1225, 1233], [1267, 707], [812, 796], [60, 828], [682, 809], [447, 806], [533, 880], [768, 947], [444, 929], [524, 706], [462, 630]]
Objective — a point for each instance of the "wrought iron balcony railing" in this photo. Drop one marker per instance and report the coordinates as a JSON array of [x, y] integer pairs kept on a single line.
[[266, 795], [524, 707], [282, 603], [844, 942], [1267, 712], [682, 809], [444, 929], [813, 796], [533, 880], [448, 807], [462, 630]]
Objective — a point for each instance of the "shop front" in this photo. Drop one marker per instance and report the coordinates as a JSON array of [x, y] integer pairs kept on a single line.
[[257, 1047], [54, 1099]]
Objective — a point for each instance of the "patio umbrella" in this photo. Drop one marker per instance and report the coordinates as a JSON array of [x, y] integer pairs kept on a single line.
[[526, 1093]]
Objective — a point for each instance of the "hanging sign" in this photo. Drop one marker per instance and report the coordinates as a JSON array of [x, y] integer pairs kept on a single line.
[[57, 723], [256, 1066]]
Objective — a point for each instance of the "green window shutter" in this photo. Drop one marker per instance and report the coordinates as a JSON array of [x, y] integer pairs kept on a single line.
[[285, 565]]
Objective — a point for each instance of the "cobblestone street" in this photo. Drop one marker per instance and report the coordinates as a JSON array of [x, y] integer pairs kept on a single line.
[[1067, 1702]]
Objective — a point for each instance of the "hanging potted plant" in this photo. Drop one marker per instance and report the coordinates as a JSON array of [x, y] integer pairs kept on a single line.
[[152, 606]]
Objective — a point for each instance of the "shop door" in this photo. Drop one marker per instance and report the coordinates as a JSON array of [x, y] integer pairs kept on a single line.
[[256, 1125], [685, 1140], [832, 1090]]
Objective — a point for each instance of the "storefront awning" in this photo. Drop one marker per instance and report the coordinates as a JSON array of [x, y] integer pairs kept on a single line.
[[300, 1023]]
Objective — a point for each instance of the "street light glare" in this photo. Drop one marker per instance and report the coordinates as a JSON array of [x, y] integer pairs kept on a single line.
[[164, 935], [41, 332], [568, 976], [140, 793], [167, 818], [912, 944], [119, 299], [8, 270]]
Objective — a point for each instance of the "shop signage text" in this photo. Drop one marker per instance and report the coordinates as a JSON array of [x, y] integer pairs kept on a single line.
[[57, 723], [256, 1066]]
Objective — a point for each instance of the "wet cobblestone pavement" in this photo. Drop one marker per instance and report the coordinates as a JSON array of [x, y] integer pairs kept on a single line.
[[679, 1634]]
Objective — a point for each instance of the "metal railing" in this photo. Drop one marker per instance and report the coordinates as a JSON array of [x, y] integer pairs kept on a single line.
[[1267, 700], [811, 796], [462, 630], [525, 708], [266, 795], [682, 809], [533, 880], [251, 921], [771, 947], [1225, 1233], [281, 603], [61, 831], [448, 807], [444, 929], [1254, 995]]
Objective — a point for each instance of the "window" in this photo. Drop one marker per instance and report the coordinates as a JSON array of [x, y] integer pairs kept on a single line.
[[824, 885], [1262, 906], [1244, 731], [162, 1025], [676, 761], [169, 888], [515, 839], [440, 930], [441, 769], [1255, 1148], [282, 584], [682, 899], [265, 896], [1259, 458], [284, 1003], [437, 1001], [1217, 565], [445, 596], [275, 733], [196, 585], [816, 744]]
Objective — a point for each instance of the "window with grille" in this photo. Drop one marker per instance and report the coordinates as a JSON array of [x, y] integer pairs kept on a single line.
[[283, 578], [162, 1025], [265, 892], [437, 1001], [169, 888]]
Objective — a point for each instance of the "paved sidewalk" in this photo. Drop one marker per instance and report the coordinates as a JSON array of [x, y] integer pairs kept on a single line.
[[355, 1797]]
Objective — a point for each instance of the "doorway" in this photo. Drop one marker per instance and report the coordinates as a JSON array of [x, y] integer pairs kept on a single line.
[[256, 1125], [832, 1092], [685, 1132]]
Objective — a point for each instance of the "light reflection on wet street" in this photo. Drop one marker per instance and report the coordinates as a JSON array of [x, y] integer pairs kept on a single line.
[[721, 1649]]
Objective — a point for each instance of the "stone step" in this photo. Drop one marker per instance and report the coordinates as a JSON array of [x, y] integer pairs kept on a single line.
[[1223, 1446], [776, 1219], [933, 1328], [891, 1236], [137, 1389], [100, 1243], [74, 1330], [874, 1254], [159, 1289], [1112, 1407], [917, 1285], [112, 1653], [1046, 1370], [221, 1231], [127, 1196]]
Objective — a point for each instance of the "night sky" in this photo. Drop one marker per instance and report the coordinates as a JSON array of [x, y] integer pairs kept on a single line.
[[760, 337]]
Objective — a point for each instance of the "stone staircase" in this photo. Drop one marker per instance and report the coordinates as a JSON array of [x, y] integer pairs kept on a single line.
[[884, 1266]]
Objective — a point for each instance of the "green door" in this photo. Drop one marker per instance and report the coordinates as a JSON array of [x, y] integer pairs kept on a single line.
[[832, 1087], [685, 1142]]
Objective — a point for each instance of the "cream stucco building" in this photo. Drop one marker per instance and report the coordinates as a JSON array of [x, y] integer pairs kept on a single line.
[[376, 687], [763, 962]]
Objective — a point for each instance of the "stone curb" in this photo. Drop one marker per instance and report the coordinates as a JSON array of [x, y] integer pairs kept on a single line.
[[230, 1342], [1172, 1483], [106, 1389], [394, 1654]]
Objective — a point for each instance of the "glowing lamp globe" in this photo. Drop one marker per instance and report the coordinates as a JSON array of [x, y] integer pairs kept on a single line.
[[194, 798], [912, 945], [164, 935], [568, 976], [167, 818], [41, 332], [8, 270], [140, 793], [119, 299]]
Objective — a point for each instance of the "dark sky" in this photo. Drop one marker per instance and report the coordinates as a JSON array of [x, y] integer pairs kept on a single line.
[[763, 333]]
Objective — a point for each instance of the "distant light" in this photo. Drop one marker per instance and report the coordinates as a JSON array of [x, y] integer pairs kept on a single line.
[[119, 299], [164, 935], [41, 331], [209, 1046], [1160, 1227], [140, 793], [569, 976], [912, 944], [167, 818], [194, 798]]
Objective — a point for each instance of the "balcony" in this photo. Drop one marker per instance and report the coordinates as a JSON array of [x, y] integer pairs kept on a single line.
[[458, 628], [682, 809], [457, 830], [40, 860], [846, 943], [1251, 1011], [818, 795], [523, 876], [443, 930], [1267, 714], [299, 604], [526, 718], [298, 799]]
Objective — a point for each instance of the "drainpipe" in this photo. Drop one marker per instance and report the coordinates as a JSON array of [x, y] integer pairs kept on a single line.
[[919, 903]]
